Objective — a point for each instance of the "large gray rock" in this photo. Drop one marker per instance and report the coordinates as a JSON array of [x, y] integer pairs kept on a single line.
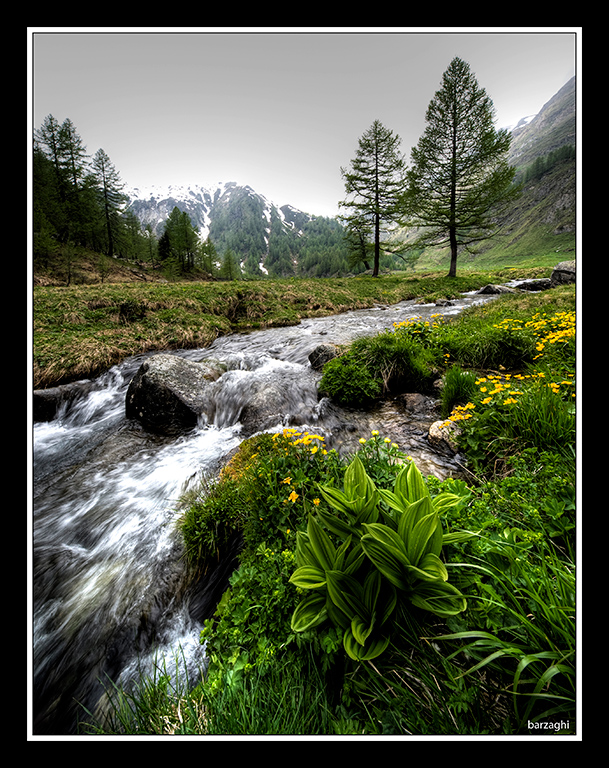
[[493, 289], [542, 284], [444, 434], [263, 398], [563, 273], [47, 402], [322, 354], [168, 394]]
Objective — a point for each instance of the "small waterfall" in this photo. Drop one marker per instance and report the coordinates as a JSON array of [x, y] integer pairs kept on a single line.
[[110, 591]]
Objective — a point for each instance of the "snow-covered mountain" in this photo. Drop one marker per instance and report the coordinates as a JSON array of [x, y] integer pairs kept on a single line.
[[152, 205], [264, 237], [520, 124]]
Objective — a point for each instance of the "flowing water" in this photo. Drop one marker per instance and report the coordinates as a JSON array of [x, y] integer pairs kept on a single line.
[[110, 594]]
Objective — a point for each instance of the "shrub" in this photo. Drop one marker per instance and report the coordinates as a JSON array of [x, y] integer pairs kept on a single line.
[[390, 361], [477, 344]]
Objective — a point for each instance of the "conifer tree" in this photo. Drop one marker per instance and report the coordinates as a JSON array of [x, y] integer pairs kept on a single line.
[[73, 164], [183, 238], [376, 183], [109, 187], [230, 269], [460, 178]]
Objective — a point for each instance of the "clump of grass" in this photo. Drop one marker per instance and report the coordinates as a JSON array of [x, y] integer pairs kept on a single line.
[[459, 388], [388, 362], [348, 381]]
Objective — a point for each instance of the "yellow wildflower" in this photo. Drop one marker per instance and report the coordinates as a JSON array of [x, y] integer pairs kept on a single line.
[[293, 496]]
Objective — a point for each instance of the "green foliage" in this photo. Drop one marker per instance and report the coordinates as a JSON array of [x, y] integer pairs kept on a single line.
[[179, 241], [158, 702], [375, 567], [510, 412], [230, 269], [252, 620], [477, 344], [288, 697], [516, 573], [459, 388], [276, 475], [541, 165], [211, 519], [521, 584], [401, 362]]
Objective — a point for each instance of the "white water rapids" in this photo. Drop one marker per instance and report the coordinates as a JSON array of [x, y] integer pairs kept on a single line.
[[109, 592]]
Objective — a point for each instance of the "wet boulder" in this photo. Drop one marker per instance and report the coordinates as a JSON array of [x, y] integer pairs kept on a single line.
[[46, 403], [563, 273], [322, 354], [542, 284], [168, 394], [270, 396], [493, 288], [444, 435]]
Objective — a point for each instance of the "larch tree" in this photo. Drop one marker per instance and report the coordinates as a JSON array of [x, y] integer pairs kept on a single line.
[[183, 239], [460, 179], [109, 188], [374, 185]]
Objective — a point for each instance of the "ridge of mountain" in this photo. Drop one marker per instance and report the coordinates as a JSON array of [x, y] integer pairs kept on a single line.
[[551, 128]]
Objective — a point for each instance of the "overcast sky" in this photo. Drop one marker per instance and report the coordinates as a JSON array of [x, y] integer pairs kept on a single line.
[[280, 110]]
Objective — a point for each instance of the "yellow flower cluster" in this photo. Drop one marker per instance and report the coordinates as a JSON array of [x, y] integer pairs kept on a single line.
[[549, 329], [303, 438], [417, 324], [375, 433], [507, 387], [460, 413], [494, 385]]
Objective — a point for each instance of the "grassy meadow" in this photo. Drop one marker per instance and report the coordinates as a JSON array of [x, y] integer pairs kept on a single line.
[[82, 330]]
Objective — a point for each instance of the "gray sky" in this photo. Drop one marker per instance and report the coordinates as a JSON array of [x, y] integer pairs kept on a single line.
[[279, 109]]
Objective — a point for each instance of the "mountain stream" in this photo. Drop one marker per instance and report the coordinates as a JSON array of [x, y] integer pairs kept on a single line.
[[109, 593]]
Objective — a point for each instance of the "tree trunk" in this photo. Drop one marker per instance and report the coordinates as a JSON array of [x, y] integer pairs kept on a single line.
[[452, 272], [377, 246]]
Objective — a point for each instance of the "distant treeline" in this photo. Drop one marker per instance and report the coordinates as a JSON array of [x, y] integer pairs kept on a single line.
[[78, 203], [542, 165], [77, 200]]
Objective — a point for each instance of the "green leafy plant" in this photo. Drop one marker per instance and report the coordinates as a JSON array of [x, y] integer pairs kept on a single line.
[[375, 567]]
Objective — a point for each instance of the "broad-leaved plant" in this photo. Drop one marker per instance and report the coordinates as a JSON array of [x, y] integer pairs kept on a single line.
[[374, 549]]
